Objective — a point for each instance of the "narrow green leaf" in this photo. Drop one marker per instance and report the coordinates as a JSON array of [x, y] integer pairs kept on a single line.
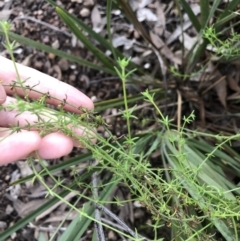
[[204, 205], [194, 55], [97, 37], [191, 15], [230, 7], [204, 5], [59, 53], [79, 34], [103, 105], [197, 51], [224, 20]]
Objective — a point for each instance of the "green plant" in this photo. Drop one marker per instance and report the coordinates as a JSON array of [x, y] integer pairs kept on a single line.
[[190, 193]]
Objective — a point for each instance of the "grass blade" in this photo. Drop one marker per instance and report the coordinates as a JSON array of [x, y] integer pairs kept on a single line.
[[59, 53], [79, 34], [191, 15], [204, 5]]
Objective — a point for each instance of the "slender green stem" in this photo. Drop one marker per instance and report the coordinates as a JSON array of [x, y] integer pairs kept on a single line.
[[10, 47]]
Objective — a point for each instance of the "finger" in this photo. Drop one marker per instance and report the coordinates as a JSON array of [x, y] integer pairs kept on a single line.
[[45, 84], [18, 145], [55, 145], [29, 120], [3, 95], [13, 117]]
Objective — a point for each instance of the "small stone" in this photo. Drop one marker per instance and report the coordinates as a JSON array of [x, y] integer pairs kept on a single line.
[[73, 66], [88, 3], [85, 12], [3, 225], [46, 39], [9, 209], [38, 64], [63, 64], [56, 44], [7, 177], [72, 77], [40, 12], [18, 51], [51, 56], [71, 10], [147, 66]]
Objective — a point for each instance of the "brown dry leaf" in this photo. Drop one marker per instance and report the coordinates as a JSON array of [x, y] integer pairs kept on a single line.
[[67, 198], [221, 89], [25, 170], [164, 48], [25, 208], [169, 54], [161, 22], [63, 216], [233, 84], [126, 210], [156, 40], [187, 41]]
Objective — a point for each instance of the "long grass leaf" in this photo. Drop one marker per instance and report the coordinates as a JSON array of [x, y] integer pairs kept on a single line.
[[191, 15], [230, 7], [97, 37], [204, 5], [197, 51], [106, 104], [48, 49], [200, 199], [79, 34]]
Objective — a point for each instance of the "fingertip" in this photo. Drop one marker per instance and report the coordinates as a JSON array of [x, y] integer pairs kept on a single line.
[[55, 145], [18, 146], [3, 94]]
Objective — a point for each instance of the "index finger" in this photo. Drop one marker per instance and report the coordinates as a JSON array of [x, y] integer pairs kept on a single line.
[[44, 84]]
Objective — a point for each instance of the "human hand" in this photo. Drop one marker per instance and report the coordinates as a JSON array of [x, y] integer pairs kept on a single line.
[[20, 145]]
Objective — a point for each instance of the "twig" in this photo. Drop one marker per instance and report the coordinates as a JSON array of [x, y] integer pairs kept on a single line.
[[98, 226], [44, 24], [124, 226]]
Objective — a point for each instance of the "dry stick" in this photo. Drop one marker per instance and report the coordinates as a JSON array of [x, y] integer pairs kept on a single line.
[[120, 222], [44, 24], [115, 225], [98, 226]]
